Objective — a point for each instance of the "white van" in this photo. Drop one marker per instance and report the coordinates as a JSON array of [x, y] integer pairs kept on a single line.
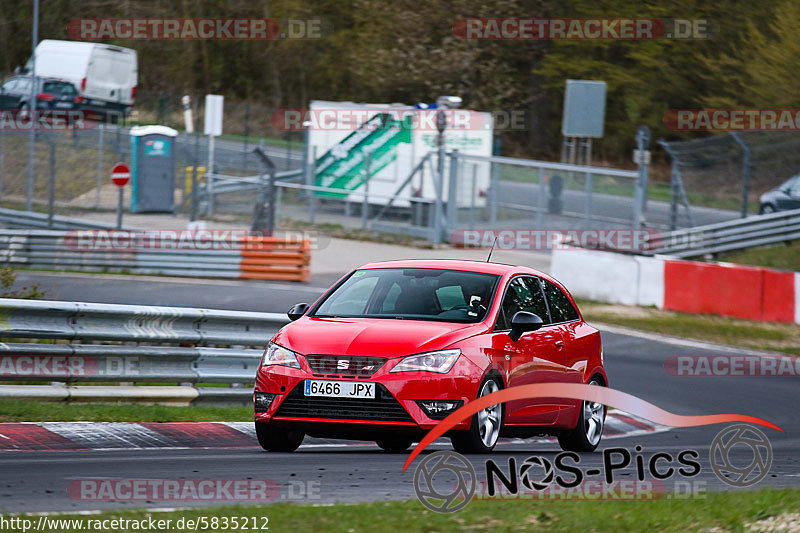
[[105, 75]]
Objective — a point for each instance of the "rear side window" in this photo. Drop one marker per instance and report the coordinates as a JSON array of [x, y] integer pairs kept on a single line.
[[561, 309], [523, 294], [23, 85]]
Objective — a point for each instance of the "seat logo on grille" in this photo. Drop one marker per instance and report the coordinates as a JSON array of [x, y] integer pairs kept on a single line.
[[344, 364]]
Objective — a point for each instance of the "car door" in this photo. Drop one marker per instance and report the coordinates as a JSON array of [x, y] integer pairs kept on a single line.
[[531, 359], [794, 195], [8, 98], [789, 197], [572, 359]]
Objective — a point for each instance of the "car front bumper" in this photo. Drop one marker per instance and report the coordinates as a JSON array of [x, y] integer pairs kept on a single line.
[[394, 408]]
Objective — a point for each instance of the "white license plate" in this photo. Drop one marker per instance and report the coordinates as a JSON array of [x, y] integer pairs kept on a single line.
[[63, 104], [339, 389]]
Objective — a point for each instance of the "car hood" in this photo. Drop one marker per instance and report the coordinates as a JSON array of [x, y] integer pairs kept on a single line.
[[370, 336]]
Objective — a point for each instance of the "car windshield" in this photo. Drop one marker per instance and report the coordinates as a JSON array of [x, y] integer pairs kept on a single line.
[[413, 294]]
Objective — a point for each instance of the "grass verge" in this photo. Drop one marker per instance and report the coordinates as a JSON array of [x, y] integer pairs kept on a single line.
[[723, 511], [28, 411], [782, 257], [768, 336]]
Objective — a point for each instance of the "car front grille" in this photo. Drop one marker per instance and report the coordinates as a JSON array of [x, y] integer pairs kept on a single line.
[[384, 407], [345, 364]]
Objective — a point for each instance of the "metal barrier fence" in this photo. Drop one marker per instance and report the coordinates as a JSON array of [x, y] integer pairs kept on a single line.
[[526, 193], [238, 255], [151, 344], [762, 230], [13, 219], [81, 160], [721, 177], [519, 194]]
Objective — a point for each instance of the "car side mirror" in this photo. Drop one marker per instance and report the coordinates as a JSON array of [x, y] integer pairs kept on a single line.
[[297, 310], [787, 191], [17, 69], [523, 322]]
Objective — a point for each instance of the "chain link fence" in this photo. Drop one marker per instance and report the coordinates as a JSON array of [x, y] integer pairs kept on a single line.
[[721, 177]]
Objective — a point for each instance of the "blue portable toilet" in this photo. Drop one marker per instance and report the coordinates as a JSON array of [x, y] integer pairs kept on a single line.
[[153, 169]]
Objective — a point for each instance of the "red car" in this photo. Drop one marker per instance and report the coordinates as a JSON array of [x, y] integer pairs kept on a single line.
[[394, 347]]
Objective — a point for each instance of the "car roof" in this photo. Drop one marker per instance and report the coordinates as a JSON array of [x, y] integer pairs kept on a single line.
[[456, 264], [41, 78]]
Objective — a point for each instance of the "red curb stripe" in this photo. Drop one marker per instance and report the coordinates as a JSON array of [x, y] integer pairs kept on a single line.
[[201, 434], [31, 437], [635, 423]]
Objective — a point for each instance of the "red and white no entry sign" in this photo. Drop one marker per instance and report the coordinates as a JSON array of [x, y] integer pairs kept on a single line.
[[120, 174]]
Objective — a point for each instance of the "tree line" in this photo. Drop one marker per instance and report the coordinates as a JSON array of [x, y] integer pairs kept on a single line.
[[407, 51]]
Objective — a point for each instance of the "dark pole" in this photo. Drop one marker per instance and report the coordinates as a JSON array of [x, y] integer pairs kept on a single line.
[[246, 134], [271, 212], [119, 207], [32, 109], [195, 162], [259, 224], [51, 200]]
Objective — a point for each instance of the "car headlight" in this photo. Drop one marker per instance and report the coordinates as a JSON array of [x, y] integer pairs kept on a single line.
[[440, 362], [278, 355]]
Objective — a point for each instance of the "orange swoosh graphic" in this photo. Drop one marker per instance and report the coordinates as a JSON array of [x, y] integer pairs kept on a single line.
[[578, 391]]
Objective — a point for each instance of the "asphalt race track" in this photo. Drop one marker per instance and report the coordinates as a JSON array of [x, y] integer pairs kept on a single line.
[[37, 481]]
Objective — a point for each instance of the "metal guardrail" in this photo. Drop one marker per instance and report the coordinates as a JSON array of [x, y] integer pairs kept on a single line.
[[761, 230], [143, 252], [151, 344], [13, 219]]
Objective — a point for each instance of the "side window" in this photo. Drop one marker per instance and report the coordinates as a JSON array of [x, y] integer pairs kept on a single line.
[[23, 85], [795, 188], [561, 309], [523, 294]]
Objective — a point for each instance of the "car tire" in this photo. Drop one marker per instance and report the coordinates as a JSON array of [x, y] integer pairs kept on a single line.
[[484, 430], [275, 439], [394, 444], [766, 209], [588, 431]]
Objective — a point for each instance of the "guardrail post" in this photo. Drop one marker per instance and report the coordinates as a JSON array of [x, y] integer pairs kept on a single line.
[[588, 201], [473, 192], [452, 194], [640, 191], [2, 159], [258, 222], [311, 177], [51, 185], [673, 182], [540, 200], [745, 171], [99, 165], [210, 176]]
